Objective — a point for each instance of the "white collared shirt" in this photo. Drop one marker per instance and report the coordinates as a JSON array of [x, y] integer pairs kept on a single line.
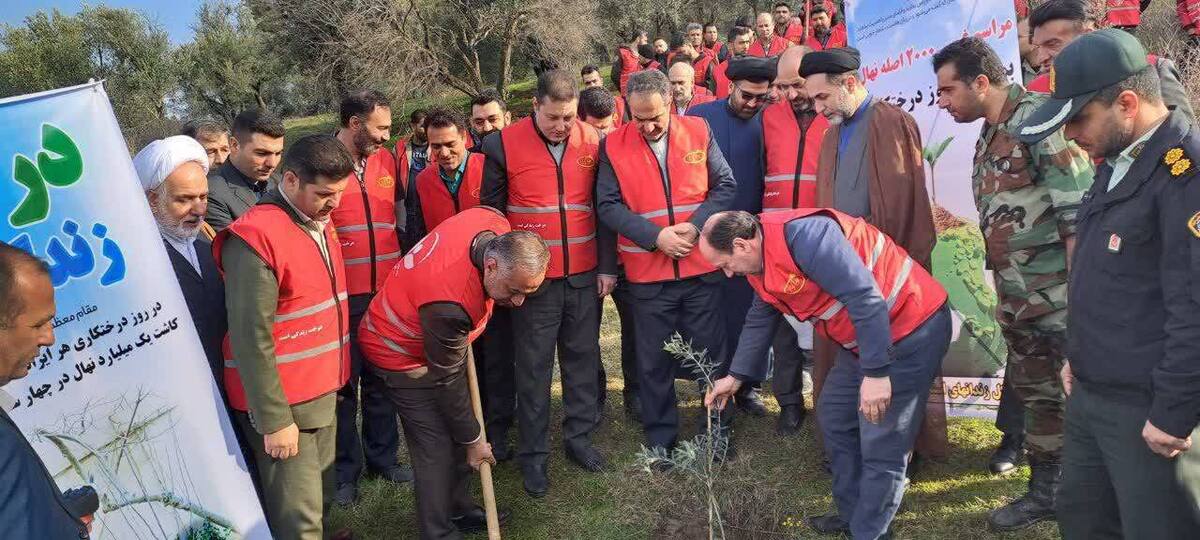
[[1123, 162], [7, 402]]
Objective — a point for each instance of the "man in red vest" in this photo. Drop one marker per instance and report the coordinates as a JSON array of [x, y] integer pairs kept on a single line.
[[685, 94], [712, 41], [824, 35], [417, 337], [739, 42], [787, 26], [366, 226], [629, 58], [660, 176], [697, 57], [888, 316], [287, 353], [450, 187], [591, 79], [792, 133], [767, 42], [542, 171]]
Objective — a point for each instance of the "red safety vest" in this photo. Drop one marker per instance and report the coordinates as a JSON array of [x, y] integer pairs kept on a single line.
[[714, 49], [794, 31], [788, 184], [437, 269], [366, 224], [837, 39], [701, 65], [642, 190], [1188, 12], [551, 199], [912, 295], [437, 205], [402, 164], [1123, 13], [721, 79], [311, 328], [629, 66], [777, 46], [619, 112]]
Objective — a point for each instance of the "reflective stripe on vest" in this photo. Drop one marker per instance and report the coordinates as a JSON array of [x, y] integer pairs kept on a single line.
[[436, 269], [642, 190], [790, 158], [437, 205], [311, 325], [366, 223], [554, 199], [910, 293]]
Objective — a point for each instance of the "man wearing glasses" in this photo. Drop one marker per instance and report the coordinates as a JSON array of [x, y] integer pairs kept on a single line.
[[737, 129]]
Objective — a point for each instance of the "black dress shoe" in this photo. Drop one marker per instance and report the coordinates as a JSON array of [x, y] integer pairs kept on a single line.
[[476, 520], [829, 524], [751, 401], [346, 494], [1008, 454], [398, 474], [586, 456], [633, 407], [791, 417], [535, 481]]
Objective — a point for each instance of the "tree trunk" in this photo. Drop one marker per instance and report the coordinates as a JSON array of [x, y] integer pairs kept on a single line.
[[504, 69]]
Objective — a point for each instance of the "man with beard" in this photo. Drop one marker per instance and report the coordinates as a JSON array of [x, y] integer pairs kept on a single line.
[[685, 94], [287, 351], [870, 166], [712, 42], [489, 114], [541, 171], [739, 42], [1043, 183], [629, 59], [698, 59], [792, 133], [824, 35], [254, 152], [1133, 330], [786, 26], [767, 43], [367, 227], [213, 136], [737, 130]]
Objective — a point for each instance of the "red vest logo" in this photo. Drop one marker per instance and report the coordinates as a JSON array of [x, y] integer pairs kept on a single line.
[[475, 192], [586, 162], [794, 284], [385, 182], [694, 157]]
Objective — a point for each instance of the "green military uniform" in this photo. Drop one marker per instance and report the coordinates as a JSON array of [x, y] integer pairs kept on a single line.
[[296, 491], [1027, 196], [1028, 72]]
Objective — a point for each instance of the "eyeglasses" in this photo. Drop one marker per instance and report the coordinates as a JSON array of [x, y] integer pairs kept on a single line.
[[749, 97]]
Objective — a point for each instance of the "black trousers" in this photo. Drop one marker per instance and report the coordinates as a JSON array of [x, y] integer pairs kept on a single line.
[[380, 439], [788, 379], [441, 475], [494, 363], [624, 302], [562, 315], [1010, 415], [691, 307]]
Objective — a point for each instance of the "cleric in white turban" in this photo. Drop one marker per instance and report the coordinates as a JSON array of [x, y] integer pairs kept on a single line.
[[173, 172]]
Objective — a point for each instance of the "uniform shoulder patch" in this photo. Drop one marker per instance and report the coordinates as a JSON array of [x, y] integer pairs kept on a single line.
[[1193, 224], [1178, 160]]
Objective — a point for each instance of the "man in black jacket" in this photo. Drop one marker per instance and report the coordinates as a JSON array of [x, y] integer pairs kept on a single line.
[[32, 506]]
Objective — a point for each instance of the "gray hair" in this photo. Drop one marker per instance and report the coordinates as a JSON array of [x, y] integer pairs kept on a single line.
[[693, 26], [647, 82], [519, 249]]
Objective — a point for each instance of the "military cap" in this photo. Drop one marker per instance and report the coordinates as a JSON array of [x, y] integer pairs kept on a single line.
[[752, 68], [1088, 65], [831, 61]]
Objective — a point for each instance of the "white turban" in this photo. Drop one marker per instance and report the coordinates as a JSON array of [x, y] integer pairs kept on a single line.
[[160, 158]]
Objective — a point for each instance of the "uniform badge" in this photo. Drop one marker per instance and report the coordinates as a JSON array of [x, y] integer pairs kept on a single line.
[[1114, 244], [794, 284], [1053, 84], [586, 162], [1179, 162], [1194, 224], [385, 182], [694, 157]]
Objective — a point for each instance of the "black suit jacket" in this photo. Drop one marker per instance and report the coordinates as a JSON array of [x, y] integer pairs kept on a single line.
[[205, 296], [31, 506]]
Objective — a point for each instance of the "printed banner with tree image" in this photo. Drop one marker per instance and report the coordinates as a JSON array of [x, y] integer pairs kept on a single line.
[[124, 400], [897, 41]]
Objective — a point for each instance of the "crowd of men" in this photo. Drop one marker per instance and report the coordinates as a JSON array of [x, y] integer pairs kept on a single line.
[[752, 195]]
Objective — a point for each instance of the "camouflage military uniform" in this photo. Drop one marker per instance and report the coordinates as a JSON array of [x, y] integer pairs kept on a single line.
[[1027, 197]]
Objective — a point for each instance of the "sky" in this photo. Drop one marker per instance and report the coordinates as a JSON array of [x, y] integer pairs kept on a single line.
[[175, 16]]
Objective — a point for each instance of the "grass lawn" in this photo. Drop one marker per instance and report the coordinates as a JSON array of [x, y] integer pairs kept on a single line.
[[766, 491]]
